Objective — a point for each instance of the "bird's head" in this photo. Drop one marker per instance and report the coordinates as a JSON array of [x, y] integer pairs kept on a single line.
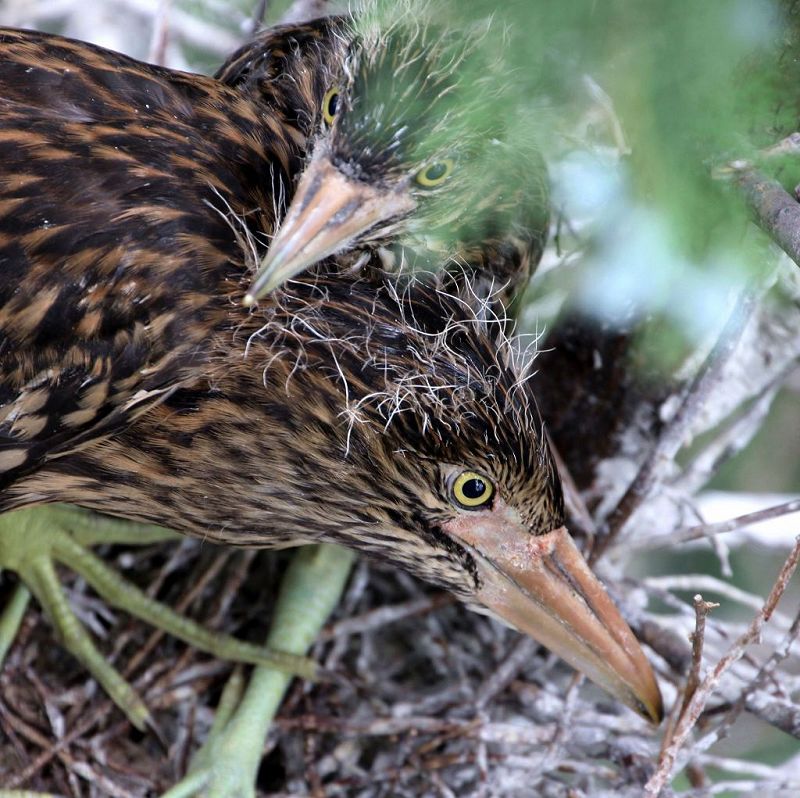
[[418, 441], [413, 151]]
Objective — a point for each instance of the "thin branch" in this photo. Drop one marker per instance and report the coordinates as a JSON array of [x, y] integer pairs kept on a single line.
[[787, 146], [381, 617], [519, 656], [189, 28], [259, 15], [497, 732], [696, 582], [573, 500], [606, 105], [157, 51], [781, 713], [750, 787], [765, 672], [303, 10], [730, 440], [701, 610], [667, 446], [698, 702], [700, 531], [774, 210]]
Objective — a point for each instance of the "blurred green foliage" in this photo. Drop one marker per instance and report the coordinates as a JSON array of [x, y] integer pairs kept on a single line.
[[634, 104], [684, 86]]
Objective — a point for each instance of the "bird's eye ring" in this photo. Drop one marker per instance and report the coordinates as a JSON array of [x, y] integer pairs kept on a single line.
[[434, 174], [471, 490], [330, 104]]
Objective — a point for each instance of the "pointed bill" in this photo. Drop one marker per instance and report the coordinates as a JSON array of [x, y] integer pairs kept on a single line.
[[542, 585], [328, 213]]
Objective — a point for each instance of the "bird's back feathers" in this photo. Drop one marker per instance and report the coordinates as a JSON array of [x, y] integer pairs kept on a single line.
[[119, 182]]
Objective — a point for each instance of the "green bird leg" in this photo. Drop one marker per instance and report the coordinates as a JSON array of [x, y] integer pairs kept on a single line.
[[227, 764], [34, 540]]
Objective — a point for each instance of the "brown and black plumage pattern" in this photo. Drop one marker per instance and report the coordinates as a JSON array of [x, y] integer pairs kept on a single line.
[[119, 185], [338, 424], [342, 408]]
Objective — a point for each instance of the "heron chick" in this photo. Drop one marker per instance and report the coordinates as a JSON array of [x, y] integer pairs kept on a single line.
[[402, 425], [416, 155]]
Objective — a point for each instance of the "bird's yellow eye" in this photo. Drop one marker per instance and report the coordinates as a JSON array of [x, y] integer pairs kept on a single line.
[[471, 490], [434, 174], [330, 104]]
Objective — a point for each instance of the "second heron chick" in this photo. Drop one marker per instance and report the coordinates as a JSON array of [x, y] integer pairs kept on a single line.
[[417, 158]]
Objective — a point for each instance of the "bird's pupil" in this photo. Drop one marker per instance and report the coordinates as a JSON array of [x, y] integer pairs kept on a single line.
[[474, 488], [436, 171], [333, 104]]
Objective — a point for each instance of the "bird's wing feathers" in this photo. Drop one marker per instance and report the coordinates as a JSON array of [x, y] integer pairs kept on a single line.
[[130, 199], [111, 254]]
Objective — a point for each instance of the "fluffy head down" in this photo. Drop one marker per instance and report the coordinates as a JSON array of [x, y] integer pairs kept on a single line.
[[338, 411], [418, 93], [395, 393]]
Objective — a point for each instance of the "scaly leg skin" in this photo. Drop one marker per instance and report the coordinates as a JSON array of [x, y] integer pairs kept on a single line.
[[227, 764], [32, 541]]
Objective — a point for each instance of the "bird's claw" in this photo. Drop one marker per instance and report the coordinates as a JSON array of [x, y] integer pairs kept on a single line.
[[34, 539]]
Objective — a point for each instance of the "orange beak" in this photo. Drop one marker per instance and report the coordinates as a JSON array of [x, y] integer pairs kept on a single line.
[[541, 585], [329, 212]]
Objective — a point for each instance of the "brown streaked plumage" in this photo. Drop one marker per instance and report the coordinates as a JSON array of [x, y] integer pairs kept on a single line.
[[346, 421], [119, 184], [343, 408]]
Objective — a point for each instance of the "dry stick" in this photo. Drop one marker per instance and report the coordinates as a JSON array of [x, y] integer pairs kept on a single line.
[[157, 634], [189, 29], [573, 500], [780, 713], [731, 765], [55, 749], [695, 707], [733, 439], [522, 652], [507, 733], [99, 781], [382, 617], [555, 751], [258, 17], [767, 787], [606, 105], [701, 610], [695, 581], [699, 531], [232, 587], [669, 443], [31, 734], [788, 146], [775, 211], [182, 606], [157, 52], [178, 556], [747, 698]]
